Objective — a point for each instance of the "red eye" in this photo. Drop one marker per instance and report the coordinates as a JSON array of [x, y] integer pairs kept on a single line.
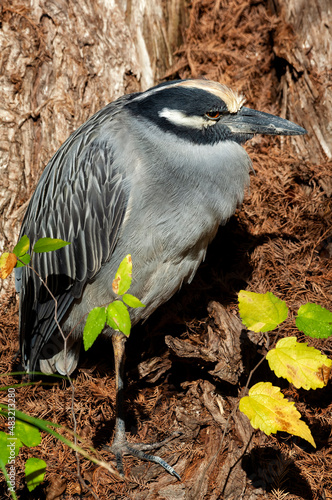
[[213, 115]]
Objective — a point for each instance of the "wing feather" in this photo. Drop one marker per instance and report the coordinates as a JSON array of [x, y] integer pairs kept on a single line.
[[81, 198]]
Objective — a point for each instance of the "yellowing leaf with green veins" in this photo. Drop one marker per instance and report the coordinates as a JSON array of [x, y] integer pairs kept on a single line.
[[123, 277], [7, 264], [132, 301], [95, 323], [314, 320], [118, 317], [22, 246], [49, 245], [261, 312], [35, 469], [301, 365], [269, 411]]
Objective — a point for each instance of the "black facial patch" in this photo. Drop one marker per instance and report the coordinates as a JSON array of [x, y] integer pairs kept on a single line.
[[187, 100]]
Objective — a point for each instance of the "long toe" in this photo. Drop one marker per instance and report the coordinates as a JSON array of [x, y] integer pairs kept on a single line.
[[132, 450], [121, 447]]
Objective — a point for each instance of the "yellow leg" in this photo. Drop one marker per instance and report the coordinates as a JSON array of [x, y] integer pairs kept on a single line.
[[118, 341]]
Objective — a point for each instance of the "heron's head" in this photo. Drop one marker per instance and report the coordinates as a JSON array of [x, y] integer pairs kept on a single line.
[[205, 112]]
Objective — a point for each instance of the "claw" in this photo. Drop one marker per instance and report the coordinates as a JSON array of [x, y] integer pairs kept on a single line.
[[121, 447], [120, 444]]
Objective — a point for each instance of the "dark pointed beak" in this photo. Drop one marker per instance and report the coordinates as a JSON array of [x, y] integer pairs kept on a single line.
[[250, 121]]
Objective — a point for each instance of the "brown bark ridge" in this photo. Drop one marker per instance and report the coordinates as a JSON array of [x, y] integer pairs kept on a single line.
[[303, 45]]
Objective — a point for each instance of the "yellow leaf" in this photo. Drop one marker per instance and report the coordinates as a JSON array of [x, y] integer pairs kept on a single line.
[[123, 277], [261, 312], [7, 264], [269, 411], [301, 365]]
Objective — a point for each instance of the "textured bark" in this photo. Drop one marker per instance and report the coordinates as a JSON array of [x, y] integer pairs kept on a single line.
[[304, 46], [222, 348]]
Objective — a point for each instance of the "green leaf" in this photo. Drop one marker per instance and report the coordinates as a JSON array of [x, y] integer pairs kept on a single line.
[[22, 246], [269, 411], [301, 365], [123, 277], [4, 450], [314, 320], [94, 325], [49, 245], [9, 448], [34, 472], [28, 434], [261, 312], [25, 259], [132, 301], [118, 317]]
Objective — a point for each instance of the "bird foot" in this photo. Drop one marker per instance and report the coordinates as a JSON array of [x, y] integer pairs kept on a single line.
[[121, 447]]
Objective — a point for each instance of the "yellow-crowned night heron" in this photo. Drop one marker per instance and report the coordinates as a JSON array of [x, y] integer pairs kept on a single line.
[[152, 174]]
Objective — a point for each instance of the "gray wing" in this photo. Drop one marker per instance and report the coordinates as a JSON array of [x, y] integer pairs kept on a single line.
[[81, 198]]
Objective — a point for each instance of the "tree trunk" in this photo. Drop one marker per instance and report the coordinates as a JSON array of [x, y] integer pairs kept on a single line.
[[304, 46]]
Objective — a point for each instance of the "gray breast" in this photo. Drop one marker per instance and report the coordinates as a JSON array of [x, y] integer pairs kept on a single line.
[[179, 195]]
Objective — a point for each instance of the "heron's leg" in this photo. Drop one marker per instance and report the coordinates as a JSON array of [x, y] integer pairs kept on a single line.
[[119, 340], [120, 444]]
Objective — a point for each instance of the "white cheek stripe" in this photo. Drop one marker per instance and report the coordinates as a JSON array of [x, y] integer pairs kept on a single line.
[[178, 118]]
